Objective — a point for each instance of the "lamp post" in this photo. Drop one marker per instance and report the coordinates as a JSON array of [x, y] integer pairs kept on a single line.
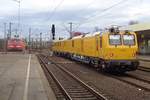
[[18, 1], [40, 42], [5, 38]]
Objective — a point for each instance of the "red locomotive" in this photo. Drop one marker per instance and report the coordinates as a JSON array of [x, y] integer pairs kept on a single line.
[[15, 45]]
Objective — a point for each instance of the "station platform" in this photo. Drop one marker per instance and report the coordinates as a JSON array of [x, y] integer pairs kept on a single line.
[[144, 61], [144, 58], [22, 78]]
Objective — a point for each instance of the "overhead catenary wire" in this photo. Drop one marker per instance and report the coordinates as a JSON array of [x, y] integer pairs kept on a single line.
[[100, 15], [81, 10], [87, 19], [55, 9], [65, 28], [88, 5]]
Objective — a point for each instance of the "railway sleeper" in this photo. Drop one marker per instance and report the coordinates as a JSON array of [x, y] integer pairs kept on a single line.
[[85, 97], [81, 94]]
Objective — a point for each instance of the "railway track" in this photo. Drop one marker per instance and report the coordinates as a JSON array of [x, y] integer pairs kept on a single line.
[[146, 60], [138, 78], [135, 81], [66, 85], [144, 69]]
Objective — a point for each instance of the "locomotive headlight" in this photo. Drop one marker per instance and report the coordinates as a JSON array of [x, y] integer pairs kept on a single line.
[[18, 46], [134, 54], [111, 54], [11, 46]]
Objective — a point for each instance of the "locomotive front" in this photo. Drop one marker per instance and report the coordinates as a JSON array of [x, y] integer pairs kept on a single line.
[[121, 50]]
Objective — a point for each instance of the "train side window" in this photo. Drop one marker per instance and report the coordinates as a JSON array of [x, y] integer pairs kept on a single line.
[[101, 42]]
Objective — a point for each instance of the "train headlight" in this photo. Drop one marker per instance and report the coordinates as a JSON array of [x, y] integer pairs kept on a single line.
[[111, 54], [18, 46], [11, 46], [134, 54]]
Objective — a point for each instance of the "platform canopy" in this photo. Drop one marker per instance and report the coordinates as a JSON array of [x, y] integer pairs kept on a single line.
[[138, 27]]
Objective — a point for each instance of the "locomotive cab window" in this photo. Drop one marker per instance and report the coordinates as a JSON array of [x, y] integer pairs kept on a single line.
[[115, 39], [128, 39]]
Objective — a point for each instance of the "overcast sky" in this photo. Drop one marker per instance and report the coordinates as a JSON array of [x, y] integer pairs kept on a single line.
[[85, 14]]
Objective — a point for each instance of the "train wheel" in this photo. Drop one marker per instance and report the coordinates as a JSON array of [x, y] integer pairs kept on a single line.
[[102, 66], [120, 71], [90, 63]]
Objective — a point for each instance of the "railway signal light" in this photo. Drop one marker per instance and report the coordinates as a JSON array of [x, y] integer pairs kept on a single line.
[[53, 31]]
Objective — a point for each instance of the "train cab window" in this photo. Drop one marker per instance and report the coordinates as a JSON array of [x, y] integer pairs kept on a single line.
[[128, 39], [115, 39]]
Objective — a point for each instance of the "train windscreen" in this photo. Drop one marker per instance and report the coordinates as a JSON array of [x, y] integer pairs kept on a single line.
[[115, 39], [128, 39]]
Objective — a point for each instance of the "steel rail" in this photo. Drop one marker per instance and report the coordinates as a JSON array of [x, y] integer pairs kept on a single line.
[[144, 69], [98, 95], [131, 83], [55, 79], [87, 87], [146, 60], [138, 78]]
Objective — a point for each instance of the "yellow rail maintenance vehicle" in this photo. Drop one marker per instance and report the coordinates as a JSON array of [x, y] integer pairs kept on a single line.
[[112, 50]]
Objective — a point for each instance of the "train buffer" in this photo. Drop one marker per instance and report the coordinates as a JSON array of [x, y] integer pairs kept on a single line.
[[22, 78]]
